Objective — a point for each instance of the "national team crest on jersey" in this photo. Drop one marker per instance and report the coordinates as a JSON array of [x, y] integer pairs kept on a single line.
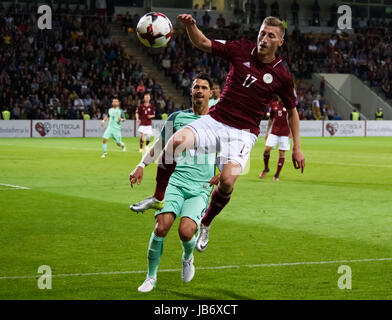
[[268, 78]]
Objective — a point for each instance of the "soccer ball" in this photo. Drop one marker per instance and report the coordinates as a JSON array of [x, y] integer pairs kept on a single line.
[[154, 29]]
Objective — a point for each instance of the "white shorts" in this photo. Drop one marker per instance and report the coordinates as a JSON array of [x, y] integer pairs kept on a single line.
[[284, 142], [147, 130], [233, 144]]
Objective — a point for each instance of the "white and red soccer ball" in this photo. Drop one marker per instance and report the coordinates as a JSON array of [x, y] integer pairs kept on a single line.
[[154, 29]]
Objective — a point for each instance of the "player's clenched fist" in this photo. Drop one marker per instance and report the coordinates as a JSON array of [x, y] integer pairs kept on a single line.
[[136, 176], [186, 19]]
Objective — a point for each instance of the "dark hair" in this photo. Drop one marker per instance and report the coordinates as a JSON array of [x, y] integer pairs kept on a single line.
[[203, 76]]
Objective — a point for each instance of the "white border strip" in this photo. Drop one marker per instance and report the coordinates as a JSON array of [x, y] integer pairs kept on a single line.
[[13, 186], [202, 268]]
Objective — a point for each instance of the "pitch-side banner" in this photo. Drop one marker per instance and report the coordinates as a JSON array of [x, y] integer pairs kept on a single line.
[[15, 128], [379, 128], [311, 128], [93, 128], [57, 128], [344, 128]]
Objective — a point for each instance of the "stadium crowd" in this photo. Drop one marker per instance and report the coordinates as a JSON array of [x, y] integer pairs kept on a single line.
[[73, 70], [70, 72]]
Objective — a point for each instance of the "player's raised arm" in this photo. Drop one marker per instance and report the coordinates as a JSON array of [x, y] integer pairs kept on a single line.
[[294, 124], [198, 39]]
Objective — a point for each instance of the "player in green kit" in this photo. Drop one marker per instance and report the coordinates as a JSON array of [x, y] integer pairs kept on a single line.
[[115, 117], [187, 194]]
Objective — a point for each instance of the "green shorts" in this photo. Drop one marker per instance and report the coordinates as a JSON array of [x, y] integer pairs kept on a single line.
[[112, 133], [185, 203]]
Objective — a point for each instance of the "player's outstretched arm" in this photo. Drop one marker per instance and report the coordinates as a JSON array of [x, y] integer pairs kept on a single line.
[[298, 157], [198, 39], [136, 176]]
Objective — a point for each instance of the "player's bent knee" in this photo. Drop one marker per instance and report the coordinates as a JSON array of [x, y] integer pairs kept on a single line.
[[187, 229], [226, 183], [186, 234], [161, 230]]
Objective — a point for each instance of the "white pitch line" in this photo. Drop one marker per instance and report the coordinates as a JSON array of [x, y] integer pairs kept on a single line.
[[287, 264], [352, 164], [13, 186]]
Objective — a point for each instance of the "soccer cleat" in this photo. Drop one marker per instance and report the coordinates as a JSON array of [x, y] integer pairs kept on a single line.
[[104, 155], [148, 203], [188, 269], [148, 285], [124, 148], [262, 175], [141, 150], [276, 178], [202, 238]]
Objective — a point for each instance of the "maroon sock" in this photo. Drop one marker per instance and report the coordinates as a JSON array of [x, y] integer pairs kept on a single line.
[[141, 143], [266, 160], [280, 166], [147, 142], [164, 172], [218, 201]]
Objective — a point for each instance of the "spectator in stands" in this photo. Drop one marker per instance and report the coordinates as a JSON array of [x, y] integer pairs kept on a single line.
[[185, 84], [316, 107], [166, 64], [354, 115], [141, 89], [206, 20], [220, 21], [294, 11], [379, 115], [196, 17]]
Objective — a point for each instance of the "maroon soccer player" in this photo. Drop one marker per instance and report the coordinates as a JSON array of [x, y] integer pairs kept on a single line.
[[279, 134], [232, 126], [144, 113]]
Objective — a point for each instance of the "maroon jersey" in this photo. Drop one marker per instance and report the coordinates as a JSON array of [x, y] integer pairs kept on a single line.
[[250, 85], [145, 111], [280, 125]]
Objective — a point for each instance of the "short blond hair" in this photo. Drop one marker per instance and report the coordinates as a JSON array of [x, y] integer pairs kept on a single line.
[[275, 22]]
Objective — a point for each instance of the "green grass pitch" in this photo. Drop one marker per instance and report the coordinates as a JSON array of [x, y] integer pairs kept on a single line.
[[75, 218]]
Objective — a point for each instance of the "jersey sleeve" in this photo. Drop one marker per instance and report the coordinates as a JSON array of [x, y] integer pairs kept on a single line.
[[225, 49], [168, 127], [122, 114]]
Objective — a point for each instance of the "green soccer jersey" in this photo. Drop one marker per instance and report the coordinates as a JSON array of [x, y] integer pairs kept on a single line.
[[193, 170], [114, 114]]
